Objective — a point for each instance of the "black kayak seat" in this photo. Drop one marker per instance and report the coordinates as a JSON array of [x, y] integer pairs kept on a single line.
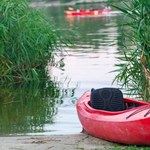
[[109, 99]]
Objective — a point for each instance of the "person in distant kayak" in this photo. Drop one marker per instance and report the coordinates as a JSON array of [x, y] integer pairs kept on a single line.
[[91, 8], [71, 8], [82, 9]]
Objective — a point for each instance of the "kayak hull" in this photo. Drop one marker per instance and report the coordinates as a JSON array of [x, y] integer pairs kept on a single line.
[[86, 13], [129, 126]]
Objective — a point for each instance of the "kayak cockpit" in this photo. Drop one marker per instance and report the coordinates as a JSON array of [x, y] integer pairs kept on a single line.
[[111, 99], [99, 103]]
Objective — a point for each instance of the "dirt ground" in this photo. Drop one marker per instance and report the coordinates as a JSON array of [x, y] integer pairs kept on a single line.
[[80, 141]]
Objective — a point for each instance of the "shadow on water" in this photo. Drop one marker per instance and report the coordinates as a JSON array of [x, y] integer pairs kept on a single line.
[[27, 108]]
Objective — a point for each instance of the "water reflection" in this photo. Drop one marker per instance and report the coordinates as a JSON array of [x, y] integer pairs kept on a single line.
[[89, 63], [50, 108], [86, 66], [26, 108], [95, 31]]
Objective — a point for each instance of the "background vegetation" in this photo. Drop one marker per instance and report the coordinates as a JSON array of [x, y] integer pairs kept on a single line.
[[51, 0]]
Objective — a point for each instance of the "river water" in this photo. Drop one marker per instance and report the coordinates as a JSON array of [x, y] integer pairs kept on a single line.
[[50, 109]]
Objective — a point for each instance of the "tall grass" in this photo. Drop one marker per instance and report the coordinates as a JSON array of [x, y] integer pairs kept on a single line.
[[134, 69], [27, 42]]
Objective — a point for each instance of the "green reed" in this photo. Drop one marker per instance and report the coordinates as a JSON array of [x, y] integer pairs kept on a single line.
[[134, 66], [27, 42]]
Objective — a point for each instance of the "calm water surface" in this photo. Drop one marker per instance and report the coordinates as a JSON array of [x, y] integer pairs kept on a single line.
[[50, 109]]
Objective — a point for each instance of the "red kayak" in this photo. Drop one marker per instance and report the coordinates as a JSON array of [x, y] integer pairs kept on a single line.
[[86, 12], [129, 126]]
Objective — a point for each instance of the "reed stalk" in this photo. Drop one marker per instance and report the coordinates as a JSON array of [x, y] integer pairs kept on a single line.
[[134, 67]]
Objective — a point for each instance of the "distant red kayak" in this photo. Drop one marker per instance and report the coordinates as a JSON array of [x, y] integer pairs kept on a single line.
[[86, 12], [130, 126]]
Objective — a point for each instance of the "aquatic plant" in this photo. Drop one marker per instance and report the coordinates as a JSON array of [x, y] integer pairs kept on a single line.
[[27, 42], [134, 66]]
